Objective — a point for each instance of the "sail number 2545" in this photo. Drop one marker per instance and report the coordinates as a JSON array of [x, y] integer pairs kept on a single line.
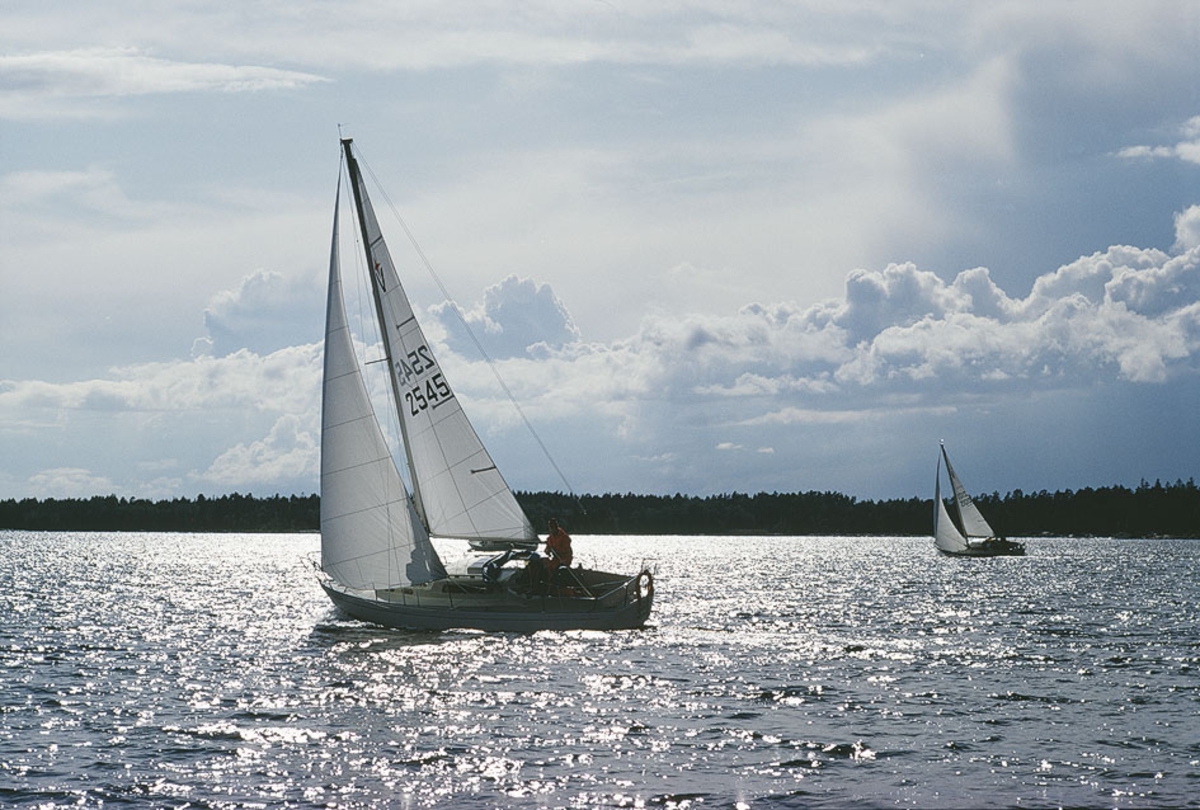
[[421, 397]]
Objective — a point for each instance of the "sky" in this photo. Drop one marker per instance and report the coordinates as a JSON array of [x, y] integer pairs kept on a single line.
[[709, 247]]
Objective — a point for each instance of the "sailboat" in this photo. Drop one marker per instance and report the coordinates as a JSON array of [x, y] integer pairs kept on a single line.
[[378, 561], [972, 536]]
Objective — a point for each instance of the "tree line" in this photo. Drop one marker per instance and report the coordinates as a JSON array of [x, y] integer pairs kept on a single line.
[[1149, 510], [228, 513]]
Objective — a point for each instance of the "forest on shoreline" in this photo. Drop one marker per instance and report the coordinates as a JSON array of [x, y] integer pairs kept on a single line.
[[1150, 510]]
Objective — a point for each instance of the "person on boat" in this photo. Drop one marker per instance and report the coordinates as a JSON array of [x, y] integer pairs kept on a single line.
[[540, 571], [558, 548]]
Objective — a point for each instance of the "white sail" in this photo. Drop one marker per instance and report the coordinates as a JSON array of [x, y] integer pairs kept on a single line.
[[457, 489], [973, 522], [945, 535], [370, 537]]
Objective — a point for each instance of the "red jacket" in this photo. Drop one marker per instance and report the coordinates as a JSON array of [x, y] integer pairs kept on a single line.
[[559, 546]]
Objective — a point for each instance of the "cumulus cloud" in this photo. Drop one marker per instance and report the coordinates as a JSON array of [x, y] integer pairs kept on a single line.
[[1187, 148], [213, 420], [1187, 229], [516, 316], [676, 400], [901, 343], [266, 312], [289, 453], [287, 380], [1124, 314]]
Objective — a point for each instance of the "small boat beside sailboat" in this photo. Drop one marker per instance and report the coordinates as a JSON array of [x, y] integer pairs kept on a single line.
[[378, 561], [972, 535]]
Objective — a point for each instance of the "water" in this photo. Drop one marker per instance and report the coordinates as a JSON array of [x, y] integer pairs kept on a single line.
[[176, 670]]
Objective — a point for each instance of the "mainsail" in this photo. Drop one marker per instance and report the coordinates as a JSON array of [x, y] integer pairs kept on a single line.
[[370, 537], [457, 490], [972, 520]]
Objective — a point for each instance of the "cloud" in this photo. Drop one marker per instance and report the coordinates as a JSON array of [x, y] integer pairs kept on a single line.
[[517, 315], [900, 345], [458, 34], [1187, 229], [159, 427], [287, 380], [1124, 314], [69, 482], [291, 452], [366, 35], [1081, 331], [902, 348], [52, 84], [1187, 149], [266, 312]]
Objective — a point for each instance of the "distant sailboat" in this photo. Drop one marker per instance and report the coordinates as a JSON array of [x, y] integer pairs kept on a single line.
[[973, 536], [378, 562]]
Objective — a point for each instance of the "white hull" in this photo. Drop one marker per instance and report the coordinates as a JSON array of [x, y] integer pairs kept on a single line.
[[620, 603]]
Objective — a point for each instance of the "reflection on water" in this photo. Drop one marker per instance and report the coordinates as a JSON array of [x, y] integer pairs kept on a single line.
[[210, 670]]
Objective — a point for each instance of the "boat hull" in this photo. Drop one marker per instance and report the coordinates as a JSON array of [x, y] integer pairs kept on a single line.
[[996, 548], [625, 607]]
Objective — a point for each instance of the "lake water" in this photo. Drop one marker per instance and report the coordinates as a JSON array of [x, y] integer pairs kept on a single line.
[[178, 670]]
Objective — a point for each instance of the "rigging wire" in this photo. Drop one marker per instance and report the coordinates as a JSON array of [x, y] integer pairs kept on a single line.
[[412, 240]]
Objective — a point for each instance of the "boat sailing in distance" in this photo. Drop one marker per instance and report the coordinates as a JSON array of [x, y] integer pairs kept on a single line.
[[378, 562], [972, 536]]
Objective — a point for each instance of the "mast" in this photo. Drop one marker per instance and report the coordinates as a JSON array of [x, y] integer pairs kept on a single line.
[[375, 273], [937, 494], [962, 526]]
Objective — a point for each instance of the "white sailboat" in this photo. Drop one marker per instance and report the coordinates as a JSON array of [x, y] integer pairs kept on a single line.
[[378, 562], [972, 536]]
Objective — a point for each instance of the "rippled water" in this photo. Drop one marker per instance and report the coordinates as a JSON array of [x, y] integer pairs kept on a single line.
[[211, 671]]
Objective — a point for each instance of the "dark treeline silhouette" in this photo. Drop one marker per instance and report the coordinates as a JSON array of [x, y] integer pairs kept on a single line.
[[228, 513], [1150, 510], [735, 513]]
